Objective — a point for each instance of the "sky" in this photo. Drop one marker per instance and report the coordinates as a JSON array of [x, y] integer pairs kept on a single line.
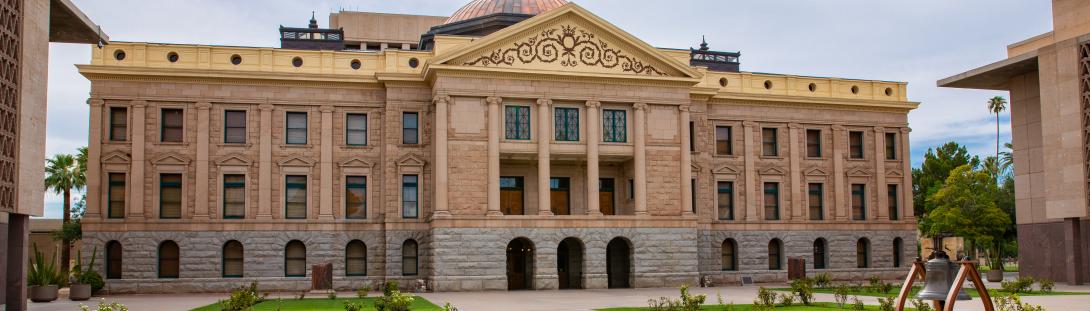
[[918, 41]]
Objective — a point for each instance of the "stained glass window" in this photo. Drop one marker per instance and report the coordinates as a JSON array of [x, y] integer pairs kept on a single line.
[[517, 122], [566, 122], [614, 126]]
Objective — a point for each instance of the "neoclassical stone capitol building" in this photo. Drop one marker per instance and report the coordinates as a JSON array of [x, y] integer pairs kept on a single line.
[[519, 144]]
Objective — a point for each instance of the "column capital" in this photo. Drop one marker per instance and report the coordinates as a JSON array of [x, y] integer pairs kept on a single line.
[[749, 123], [594, 104], [879, 130], [139, 103], [838, 128], [441, 99], [494, 100], [906, 130], [684, 108], [640, 106], [544, 102], [203, 105], [326, 109], [265, 107], [96, 102], [794, 126]]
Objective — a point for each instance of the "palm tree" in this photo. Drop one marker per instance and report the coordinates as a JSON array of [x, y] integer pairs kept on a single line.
[[1006, 158], [997, 105], [64, 174]]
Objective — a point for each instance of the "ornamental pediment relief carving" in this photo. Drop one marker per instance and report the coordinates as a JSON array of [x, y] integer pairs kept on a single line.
[[567, 47], [858, 172], [771, 171], [894, 173], [171, 159], [234, 160], [696, 168], [297, 161], [726, 169], [411, 160], [816, 172], [356, 162], [116, 157]]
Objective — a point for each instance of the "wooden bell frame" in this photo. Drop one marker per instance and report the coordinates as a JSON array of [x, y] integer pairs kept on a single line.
[[967, 271]]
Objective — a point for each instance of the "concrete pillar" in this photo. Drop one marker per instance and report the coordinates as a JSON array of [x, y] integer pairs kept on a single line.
[[15, 286], [841, 198], [495, 129], [441, 177], [882, 207], [907, 208], [1073, 259], [201, 179], [752, 189], [325, 202], [264, 173], [640, 158], [686, 162], [4, 259], [136, 180], [94, 154], [543, 160], [594, 138], [797, 207]]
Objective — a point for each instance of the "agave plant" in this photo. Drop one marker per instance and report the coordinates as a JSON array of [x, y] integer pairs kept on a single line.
[[43, 272]]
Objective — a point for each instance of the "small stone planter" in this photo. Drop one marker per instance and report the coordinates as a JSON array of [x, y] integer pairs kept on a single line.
[[79, 292], [994, 275], [45, 293]]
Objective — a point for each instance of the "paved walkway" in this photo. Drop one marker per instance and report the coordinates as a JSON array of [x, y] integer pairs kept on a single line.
[[554, 299]]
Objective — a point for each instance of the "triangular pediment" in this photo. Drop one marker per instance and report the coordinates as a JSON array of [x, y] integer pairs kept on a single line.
[[355, 162], [816, 172], [696, 168], [858, 172], [296, 161], [772, 171], [171, 159], [566, 40], [411, 160], [116, 157], [894, 173], [234, 160], [726, 169]]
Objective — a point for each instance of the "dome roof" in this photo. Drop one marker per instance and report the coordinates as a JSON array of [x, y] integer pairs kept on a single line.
[[479, 8]]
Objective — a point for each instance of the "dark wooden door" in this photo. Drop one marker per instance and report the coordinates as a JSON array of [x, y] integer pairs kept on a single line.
[[605, 196], [511, 196]]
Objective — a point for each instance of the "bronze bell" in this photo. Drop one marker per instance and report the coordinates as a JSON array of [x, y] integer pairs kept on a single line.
[[940, 276]]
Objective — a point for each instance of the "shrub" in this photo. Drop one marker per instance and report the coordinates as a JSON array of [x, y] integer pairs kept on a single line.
[[686, 302], [841, 295], [804, 288], [874, 281], [857, 304], [719, 298], [393, 299], [885, 303], [43, 272], [1046, 285], [787, 300], [921, 305], [89, 277], [302, 295], [765, 297], [332, 295], [884, 287], [449, 307], [103, 306], [353, 306], [823, 280], [243, 298], [361, 292], [1012, 302], [1019, 285]]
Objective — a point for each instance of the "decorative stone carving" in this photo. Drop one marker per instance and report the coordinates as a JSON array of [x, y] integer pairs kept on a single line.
[[568, 46], [593, 104], [493, 100]]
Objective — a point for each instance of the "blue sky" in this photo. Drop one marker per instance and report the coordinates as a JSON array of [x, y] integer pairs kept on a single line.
[[917, 41]]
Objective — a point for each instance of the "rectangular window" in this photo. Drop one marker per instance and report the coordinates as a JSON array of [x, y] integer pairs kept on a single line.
[[512, 192], [614, 126], [855, 143], [170, 196], [770, 146], [516, 122], [692, 136], [410, 198], [772, 201], [723, 142], [295, 197], [560, 195], [631, 189], [813, 143], [893, 201], [355, 130], [859, 206], [692, 201], [296, 128], [566, 121], [119, 124], [171, 126], [234, 196], [891, 146], [234, 127], [116, 196], [355, 197], [817, 201], [725, 199], [410, 128]]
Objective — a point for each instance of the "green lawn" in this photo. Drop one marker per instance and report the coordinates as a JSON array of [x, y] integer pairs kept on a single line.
[[323, 304], [747, 307], [971, 291]]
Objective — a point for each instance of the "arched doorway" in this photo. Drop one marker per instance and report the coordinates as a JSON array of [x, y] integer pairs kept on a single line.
[[520, 264], [569, 263], [619, 263]]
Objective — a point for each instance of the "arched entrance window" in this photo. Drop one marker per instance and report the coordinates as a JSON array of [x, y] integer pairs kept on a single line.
[[775, 254], [898, 252], [619, 263], [295, 259], [520, 264], [569, 263], [355, 258], [232, 259], [409, 258], [820, 254], [113, 260], [168, 260], [730, 255], [862, 253]]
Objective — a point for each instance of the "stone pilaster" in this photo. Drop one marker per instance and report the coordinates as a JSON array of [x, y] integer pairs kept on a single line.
[[325, 202], [686, 162], [841, 197], [907, 209], [495, 129], [752, 189], [594, 137], [264, 174], [201, 181], [543, 157], [94, 161], [136, 172], [798, 189], [640, 158], [441, 169], [880, 174]]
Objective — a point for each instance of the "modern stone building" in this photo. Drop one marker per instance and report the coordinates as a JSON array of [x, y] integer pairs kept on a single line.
[[515, 145], [1047, 77]]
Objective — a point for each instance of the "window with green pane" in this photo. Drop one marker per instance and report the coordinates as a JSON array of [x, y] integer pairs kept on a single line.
[[614, 126], [234, 196], [516, 122], [170, 196], [566, 124], [295, 197], [355, 197]]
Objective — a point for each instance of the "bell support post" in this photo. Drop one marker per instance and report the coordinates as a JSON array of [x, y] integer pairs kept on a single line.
[[968, 271], [906, 289]]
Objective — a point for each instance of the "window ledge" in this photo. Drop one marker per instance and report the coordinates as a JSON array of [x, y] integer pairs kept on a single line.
[[308, 145], [234, 145], [180, 144], [776, 157]]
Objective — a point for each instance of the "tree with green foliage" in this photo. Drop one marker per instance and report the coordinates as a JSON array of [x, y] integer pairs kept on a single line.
[[997, 105], [63, 174], [1006, 159], [965, 206], [936, 167]]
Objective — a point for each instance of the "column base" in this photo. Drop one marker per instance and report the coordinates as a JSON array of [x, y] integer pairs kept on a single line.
[[494, 214], [641, 213], [595, 214], [264, 217], [201, 217], [441, 214], [325, 217], [545, 213], [688, 214]]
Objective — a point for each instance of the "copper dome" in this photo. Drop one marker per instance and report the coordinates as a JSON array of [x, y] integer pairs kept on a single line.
[[479, 8]]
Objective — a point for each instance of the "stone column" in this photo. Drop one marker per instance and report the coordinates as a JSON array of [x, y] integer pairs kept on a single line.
[[1073, 256], [880, 174], [840, 199], [201, 180], [686, 162], [441, 177], [136, 172], [15, 287], [907, 209], [543, 160], [798, 189], [495, 129], [264, 174], [94, 161], [594, 138], [752, 189], [325, 202], [640, 158]]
